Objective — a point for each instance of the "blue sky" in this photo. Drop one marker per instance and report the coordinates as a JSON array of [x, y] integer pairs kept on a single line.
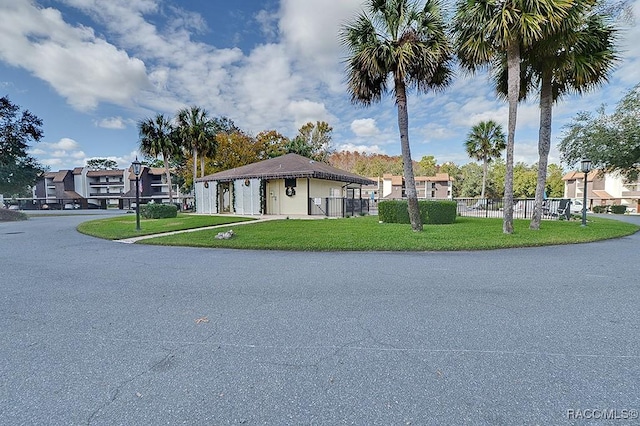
[[92, 68]]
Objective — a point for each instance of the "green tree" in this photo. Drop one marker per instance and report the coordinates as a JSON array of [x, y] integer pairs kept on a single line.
[[196, 132], [470, 180], [401, 39], [427, 166], [555, 184], [484, 143], [271, 144], [482, 30], [236, 149], [496, 179], [158, 138], [18, 130], [524, 180], [101, 164], [574, 58], [453, 170], [312, 141], [611, 141]]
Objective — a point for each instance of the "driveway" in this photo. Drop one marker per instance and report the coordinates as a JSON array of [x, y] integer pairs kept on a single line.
[[100, 333]]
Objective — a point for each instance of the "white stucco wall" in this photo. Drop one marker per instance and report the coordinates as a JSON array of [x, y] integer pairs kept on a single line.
[[279, 203], [613, 184]]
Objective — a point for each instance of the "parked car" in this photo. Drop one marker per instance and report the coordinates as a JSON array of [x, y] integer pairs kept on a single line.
[[576, 206]]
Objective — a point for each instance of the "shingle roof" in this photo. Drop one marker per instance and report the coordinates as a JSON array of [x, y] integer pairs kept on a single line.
[[72, 194], [98, 173], [287, 166], [60, 175], [604, 195], [573, 175]]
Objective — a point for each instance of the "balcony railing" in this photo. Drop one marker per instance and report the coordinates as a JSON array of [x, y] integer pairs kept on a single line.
[[106, 184]]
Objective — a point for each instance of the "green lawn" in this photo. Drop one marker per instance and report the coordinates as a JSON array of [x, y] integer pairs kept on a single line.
[[119, 227], [366, 234]]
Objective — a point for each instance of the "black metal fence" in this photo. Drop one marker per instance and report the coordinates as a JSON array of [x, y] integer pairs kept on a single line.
[[338, 207], [522, 208]]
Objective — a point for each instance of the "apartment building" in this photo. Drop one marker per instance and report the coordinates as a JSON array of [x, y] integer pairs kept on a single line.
[[392, 187], [603, 189], [87, 188]]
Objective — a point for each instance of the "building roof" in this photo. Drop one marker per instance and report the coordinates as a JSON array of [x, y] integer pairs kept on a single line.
[[287, 166], [78, 170], [60, 175], [603, 195], [99, 173], [439, 177], [72, 195], [574, 175]]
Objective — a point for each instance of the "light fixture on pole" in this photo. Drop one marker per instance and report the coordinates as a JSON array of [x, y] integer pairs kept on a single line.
[[585, 167], [136, 171]]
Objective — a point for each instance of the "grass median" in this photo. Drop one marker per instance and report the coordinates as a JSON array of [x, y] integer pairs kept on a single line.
[[124, 226], [366, 234]]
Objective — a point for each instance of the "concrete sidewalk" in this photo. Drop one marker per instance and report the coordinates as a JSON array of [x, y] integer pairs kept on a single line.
[[182, 231], [264, 218]]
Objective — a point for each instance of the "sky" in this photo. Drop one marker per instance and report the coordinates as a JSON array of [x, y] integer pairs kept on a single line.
[[91, 69]]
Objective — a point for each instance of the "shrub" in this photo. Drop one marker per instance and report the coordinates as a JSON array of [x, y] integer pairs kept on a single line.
[[431, 212], [393, 211], [158, 211], [438, 212], [11, 215], [618, 209], [599, 209]]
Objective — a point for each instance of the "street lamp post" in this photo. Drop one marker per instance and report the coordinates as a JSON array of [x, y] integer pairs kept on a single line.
[[585, 167], [136, 171]]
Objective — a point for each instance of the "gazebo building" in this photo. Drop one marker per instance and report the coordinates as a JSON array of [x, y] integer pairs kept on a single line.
[[286, 185]]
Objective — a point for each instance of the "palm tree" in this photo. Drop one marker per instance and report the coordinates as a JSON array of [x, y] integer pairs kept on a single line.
[[195, 131], [482, 30], [398, 41], [157, 139], [484, 143], [575, 59]]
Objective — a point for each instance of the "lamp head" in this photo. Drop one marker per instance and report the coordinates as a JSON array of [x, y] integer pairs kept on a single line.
[[585, 165], [136, 167]]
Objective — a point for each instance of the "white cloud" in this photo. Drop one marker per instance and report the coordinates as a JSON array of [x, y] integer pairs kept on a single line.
[[52, 162], [62, 144], [308, 111], [368, 149], [111, 123], [310, 31], [268, 22], [81, 67], [364, 127]]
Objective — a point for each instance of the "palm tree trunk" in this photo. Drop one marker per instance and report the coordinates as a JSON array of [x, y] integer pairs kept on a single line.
[[168, 173], [484, 177], [410, 183], [544, 144], [202, 166], [195, 168], [513, 92]]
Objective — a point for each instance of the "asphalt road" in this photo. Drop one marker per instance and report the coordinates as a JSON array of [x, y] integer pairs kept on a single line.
[[101, 333]]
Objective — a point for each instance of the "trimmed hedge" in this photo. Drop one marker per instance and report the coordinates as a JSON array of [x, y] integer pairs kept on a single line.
[[7, 215], [431, 212], [158, 211], [599, 209], [618, 209]]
